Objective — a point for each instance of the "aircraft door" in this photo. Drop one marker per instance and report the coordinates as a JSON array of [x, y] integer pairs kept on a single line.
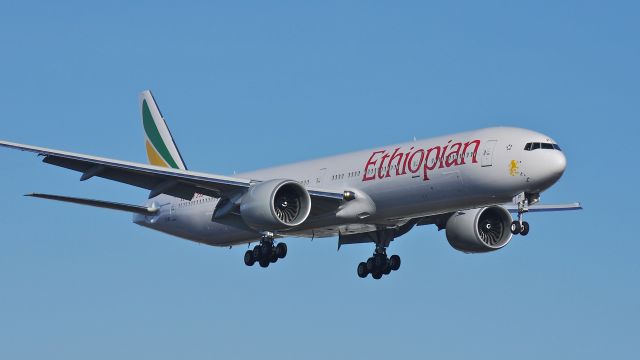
[[172, 213], [320, 178], [487, 153]]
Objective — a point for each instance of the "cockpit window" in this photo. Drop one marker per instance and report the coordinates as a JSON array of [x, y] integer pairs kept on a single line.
[[536, 145]]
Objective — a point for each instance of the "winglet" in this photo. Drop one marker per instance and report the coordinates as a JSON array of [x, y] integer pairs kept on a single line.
[[161, 148]]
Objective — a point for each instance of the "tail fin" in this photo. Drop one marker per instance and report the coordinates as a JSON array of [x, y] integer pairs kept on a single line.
[[161, 149]]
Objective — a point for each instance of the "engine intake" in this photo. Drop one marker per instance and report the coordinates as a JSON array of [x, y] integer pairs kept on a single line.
[[275, 205], [479, 230]]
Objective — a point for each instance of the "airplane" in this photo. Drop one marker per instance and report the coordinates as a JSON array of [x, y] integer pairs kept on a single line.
[[467, 184]]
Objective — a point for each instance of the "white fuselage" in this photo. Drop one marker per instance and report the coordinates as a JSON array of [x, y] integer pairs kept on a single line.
[[394, 184]]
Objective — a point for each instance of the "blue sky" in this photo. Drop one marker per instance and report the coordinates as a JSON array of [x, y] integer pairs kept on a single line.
[[245, 85]]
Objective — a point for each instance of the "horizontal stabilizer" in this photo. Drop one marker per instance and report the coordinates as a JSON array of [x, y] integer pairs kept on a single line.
[[98, 203], [547, 207]]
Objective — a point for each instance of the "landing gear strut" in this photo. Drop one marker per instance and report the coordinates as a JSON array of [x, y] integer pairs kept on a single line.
[[524, 200], [380, 264], [266, 252]]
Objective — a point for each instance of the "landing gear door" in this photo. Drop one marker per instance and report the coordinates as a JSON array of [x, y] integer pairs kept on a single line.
[[487, 153]]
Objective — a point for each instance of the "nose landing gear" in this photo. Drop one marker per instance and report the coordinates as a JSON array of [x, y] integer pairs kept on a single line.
[[520, 227], [524, 200], [266, 252]]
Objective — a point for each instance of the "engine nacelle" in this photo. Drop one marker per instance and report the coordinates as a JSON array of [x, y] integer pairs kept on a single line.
[[479, 230], [275, 205]]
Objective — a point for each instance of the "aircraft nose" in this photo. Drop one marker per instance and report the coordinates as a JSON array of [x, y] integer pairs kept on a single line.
[[555, 164]]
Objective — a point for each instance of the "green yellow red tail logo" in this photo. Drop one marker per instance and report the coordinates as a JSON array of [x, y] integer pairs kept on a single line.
[[160, 146]]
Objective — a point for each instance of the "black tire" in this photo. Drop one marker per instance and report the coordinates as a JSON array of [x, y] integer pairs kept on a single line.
[[281, 250], [525, 228], [395, 262], [257, 252], [376, 275], [380, 262], [248, 258], [387, 269], [274, 256], [266, 251], [362, 270], [516, 228], [264, 263], [370, 265]]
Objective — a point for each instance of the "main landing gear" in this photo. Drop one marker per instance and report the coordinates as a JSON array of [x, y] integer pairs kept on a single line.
[[524, 200], [380, 264], [266, 252]]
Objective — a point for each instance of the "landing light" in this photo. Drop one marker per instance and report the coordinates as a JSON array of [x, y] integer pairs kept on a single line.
[[348, 196]]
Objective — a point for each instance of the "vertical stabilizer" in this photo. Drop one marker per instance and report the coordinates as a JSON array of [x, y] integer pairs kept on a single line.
[[161, 148]]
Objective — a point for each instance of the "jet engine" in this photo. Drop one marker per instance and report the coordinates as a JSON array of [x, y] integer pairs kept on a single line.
[[275, 205], [479, 230]]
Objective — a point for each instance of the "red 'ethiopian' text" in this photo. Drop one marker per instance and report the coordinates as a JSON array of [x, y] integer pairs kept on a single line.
[[383, 163]]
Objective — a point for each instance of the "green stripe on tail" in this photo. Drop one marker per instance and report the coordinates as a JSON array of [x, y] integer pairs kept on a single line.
[[154, 136]]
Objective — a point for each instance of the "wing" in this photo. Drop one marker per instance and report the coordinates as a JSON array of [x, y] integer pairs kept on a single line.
[[546, 207], [440, 220], [142, 210], [159, 180]]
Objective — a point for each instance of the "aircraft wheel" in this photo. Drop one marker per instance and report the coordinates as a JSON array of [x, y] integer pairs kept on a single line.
[[516, 228], [525, 228], [248, 258], [380, 262], [387, 269], [257, 251], [376, 275], [273, 257], [266, 252], [370, 265], [264, 263], [394, 261], [362, 270], [281, 250]]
